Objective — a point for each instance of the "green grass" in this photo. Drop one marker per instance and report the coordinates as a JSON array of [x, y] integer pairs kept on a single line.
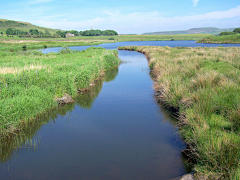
[[225, 39], [203, 85], [16, 43], [31, 83], [121, 38], [25, 137], [15, 46]]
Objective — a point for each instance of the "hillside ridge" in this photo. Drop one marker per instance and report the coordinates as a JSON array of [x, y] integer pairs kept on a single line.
[[203, 30]]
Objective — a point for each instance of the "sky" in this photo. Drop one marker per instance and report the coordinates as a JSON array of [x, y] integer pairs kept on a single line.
[[124, 16]]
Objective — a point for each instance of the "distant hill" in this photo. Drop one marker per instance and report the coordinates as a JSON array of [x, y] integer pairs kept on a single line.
[[205, 30], [23, 26]]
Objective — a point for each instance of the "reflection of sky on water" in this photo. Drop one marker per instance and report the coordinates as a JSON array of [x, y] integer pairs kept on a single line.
[[117, 132]]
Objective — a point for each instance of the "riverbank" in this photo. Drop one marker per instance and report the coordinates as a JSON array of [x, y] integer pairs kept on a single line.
[[202, 86], [32, 83], [223, 39], [15, 45]]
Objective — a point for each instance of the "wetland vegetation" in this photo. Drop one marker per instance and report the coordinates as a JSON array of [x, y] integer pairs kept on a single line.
[[24, 139], [31, 83], [202, 85], [227, 37]]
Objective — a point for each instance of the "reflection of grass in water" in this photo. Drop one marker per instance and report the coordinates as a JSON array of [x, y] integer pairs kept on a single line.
[[33, 81], [86, 99], [202, 84], [23, 140]]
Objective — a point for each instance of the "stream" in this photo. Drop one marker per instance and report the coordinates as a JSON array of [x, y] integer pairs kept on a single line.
[[116, 131]]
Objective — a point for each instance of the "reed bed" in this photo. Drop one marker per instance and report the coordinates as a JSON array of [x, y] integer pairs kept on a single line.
[[203, 86], [31, 83]]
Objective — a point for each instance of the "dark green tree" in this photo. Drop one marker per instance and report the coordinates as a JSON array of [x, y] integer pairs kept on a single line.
[[226, 33], [34, 32], [237, 30], [76, 33], [11, 31]]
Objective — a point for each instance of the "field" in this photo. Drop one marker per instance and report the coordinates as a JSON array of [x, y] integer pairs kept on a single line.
[[202, 86], [31, 83], [16, 43], [226, 39]]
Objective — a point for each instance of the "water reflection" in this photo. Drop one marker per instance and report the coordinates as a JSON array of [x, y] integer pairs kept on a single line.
[[26, 139], [85, 99]]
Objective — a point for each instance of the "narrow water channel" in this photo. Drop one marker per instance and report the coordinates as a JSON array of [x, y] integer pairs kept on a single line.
[[115, 131]]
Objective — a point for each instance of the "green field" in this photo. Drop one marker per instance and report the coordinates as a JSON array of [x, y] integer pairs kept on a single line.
[[31, 83], [226, 39], [202, 86], [16, 43]]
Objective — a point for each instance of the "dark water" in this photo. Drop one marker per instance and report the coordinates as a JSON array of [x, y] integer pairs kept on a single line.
[[115, 131]]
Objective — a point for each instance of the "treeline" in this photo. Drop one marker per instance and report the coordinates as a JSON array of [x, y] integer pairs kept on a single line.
[[30, 33], [37, 33], [236, 31], [91, 32], [63, 33], [98, 32]]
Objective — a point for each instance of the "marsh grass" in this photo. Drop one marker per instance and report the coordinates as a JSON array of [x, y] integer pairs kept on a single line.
[[30, 83], [203, 85], [226, 39]]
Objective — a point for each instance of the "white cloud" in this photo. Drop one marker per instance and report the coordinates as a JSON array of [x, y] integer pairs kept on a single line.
[[138, 22], [195, 2]]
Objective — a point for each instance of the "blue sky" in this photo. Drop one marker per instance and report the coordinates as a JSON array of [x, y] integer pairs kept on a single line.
[[124, 16]]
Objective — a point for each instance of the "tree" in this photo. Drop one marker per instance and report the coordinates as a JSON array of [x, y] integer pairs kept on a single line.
[[10, 31], [76, 33], [34, 32], [237, 30], [226, 33], [61, 33], [98, 32], [109, 33]]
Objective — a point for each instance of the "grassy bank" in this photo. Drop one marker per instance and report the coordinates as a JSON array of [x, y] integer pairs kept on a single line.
[[31, 83], [25, 137], [203, 86], [226, 39], [20, 44]]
